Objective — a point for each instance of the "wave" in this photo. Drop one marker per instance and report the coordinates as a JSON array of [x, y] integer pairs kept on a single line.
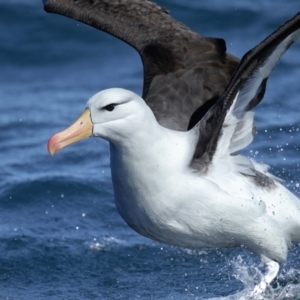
[[27, 192]]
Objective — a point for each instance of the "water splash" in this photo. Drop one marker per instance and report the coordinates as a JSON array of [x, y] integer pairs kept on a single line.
[[285, 287]]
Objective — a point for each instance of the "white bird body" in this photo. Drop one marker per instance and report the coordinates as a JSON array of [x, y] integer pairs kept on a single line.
[[160, 196]]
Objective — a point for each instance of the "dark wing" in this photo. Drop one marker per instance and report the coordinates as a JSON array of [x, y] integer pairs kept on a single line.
[[182, 70], [228, 126]]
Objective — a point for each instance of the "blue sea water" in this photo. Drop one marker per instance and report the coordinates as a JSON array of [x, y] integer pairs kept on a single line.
[[60, 234]]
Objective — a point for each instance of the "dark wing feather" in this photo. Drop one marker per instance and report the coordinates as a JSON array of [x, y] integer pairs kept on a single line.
[[182, 70], [228, 126]]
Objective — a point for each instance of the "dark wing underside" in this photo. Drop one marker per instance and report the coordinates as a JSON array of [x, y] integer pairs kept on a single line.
[[182, 70], [228, 126]]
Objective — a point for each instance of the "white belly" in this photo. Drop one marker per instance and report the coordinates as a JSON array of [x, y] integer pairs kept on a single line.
[[184, 209]]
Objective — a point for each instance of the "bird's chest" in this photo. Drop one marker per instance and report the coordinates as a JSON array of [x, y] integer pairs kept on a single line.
[[143, 195]]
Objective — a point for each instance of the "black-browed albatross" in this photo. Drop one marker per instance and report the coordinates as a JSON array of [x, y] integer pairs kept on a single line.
[[190, 188]]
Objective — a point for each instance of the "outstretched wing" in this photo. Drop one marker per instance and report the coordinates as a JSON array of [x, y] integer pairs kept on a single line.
[[182, 70], [228, 126]]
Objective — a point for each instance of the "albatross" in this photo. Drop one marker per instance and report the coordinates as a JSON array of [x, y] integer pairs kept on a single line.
[[177, 172]]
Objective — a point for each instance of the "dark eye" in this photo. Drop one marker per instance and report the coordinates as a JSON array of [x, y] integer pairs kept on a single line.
[[110, 107]]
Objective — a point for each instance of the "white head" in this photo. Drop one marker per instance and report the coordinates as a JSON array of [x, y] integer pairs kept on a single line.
[[112, 114], [116, 112]]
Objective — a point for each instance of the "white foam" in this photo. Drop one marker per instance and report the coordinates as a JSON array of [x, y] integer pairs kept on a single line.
[[250, 275]]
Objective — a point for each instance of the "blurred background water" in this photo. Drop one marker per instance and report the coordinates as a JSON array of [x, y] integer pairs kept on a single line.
[[60, 234]]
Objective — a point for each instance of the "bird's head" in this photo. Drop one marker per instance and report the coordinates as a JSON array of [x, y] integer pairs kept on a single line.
[[111, 114]]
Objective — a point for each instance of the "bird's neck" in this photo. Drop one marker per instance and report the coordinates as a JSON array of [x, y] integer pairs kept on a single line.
[[154, 148]]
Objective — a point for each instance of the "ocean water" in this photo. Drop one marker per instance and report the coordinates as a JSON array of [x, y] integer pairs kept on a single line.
[[60, 234]]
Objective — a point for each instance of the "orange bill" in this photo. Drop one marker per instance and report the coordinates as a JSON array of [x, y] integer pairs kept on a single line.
[[82, 128]]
